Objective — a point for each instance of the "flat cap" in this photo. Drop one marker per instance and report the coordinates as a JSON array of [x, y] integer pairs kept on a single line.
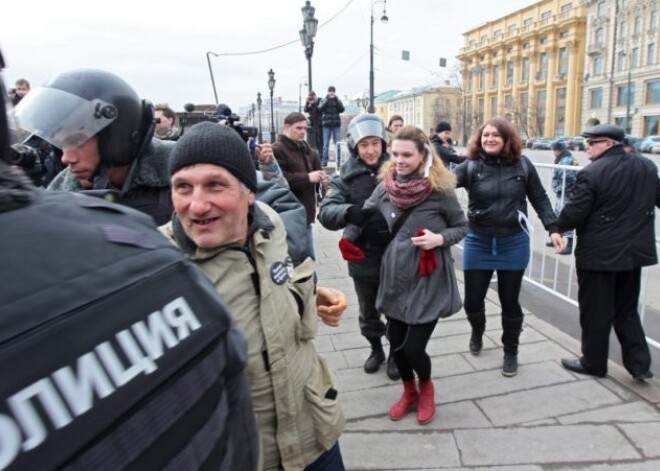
[[605, 130]]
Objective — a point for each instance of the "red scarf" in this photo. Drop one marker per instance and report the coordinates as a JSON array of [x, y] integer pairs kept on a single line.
[[406, 194]]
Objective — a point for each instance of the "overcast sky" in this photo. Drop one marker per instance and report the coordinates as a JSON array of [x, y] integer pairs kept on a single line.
[[160, 47]]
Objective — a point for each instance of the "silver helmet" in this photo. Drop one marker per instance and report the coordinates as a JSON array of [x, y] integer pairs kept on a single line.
[[365, 125]]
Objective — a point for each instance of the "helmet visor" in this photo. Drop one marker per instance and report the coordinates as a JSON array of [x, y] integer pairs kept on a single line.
[[366, 128], [61, 118]]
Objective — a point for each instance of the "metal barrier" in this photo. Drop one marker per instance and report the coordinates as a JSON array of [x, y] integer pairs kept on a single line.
[[554, 273]]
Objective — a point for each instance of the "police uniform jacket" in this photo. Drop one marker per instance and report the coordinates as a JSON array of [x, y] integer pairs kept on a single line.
[[613, 212], [298, 413], [354, 184]]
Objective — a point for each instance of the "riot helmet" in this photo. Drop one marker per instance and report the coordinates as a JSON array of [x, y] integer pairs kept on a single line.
[[81, 103], [5, 117], [365, 125]]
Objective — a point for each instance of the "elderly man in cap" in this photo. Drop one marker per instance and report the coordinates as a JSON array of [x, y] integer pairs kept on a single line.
[[612, 209], [240, 244]]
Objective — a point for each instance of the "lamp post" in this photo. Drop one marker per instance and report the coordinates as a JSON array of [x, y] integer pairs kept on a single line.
[[252, 109], [310, 24], [271, 85], [208, 60], [628, 127], [383, 19], [261, 136]]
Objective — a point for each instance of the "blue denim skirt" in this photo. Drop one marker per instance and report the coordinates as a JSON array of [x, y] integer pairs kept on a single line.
[[484, 252]]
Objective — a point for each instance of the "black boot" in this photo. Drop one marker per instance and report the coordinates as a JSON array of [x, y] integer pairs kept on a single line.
[[510, 364], [377, 356], [392, 370], [511, 329], [478, 323]]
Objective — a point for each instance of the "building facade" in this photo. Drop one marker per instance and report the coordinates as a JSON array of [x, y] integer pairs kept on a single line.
[[622, 76], [527, 67]]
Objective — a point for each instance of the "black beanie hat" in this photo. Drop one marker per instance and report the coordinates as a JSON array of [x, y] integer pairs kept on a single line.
[[211, 143], [442, 126]]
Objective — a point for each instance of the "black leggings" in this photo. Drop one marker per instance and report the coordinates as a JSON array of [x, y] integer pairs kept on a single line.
[[408, 345]]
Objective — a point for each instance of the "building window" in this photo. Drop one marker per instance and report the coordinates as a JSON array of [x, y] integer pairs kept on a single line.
[[599, 37], [624, 95], [651, 125], [509, 72], [528, 21], [481, 78], [596, 98], [480, 111], [597, 66], [543, 40], [546, 15], [652, 92], [542, 74], [637, 26], [495, 80], [650, 54], [484, 38], [498, 32], [512, 28], [560, 112], [653, 22], [621, 61], [562, 66], [508, 102], [525, 69], [563, 34], [566, 7], [541, 98], [493, 106], [600, 12], [634, 59], [623, 29]]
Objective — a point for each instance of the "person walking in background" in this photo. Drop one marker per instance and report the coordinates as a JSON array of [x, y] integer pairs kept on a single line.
[[499, 180], [562, 185], [443, 144], [166, 128], [393, 125], [341, 206], [330, 107], [315, 131], [613, 209], [418, 282], [240, 244], [301, 167]]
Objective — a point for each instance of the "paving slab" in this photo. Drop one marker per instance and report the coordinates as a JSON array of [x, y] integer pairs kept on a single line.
[[631, 412], [645, 437]]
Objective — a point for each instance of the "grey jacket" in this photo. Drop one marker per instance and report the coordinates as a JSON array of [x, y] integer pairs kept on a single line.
[[403, 294]]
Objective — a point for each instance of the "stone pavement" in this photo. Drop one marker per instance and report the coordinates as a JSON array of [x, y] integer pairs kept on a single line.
[[544, 418]]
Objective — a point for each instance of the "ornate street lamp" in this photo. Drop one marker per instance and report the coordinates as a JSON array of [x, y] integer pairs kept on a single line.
[[208, 59], [252, 110], [261, 136], [271, 85], [307, 34], [383, 19]]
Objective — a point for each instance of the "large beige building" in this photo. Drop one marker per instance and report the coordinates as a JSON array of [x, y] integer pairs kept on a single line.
[[528, 67], [622, 74]]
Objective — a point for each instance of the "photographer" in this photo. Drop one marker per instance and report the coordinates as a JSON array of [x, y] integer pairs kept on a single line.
[[331, 107], [315, 132]]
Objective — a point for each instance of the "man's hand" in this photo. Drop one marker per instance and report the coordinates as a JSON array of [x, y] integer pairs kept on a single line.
[[265, 153], [558, 242], [330, 305], [318, 176]]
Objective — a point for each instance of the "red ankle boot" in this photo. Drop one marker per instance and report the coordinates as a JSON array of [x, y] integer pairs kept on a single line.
[[408, 399], [426, 406]]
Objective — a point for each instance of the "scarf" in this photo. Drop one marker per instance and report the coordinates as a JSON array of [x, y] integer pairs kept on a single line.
[[405, 194]]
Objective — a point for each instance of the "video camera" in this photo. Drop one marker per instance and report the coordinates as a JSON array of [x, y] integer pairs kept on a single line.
[[28, 159], [220, 114]]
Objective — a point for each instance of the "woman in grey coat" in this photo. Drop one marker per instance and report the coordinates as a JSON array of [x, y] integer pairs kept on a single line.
[[418, 282]]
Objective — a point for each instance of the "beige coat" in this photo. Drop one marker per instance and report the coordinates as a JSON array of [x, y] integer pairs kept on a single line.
[[289, 380]]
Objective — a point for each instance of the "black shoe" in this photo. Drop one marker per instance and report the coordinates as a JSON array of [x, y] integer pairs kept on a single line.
[[476, 343], [510, 364], [577, 367], [374, 361], [392, 370], [642, 376]]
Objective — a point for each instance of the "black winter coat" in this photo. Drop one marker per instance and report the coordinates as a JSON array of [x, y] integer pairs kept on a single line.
[[498, 190], [447, 154], [331, 107], [612, 208]]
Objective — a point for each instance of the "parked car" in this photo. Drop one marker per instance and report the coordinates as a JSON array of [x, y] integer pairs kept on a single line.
[[541, 144], [656, 148], [576, 143], [648, 143]]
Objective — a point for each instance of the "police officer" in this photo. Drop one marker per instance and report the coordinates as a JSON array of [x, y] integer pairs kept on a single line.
[[105, 132]]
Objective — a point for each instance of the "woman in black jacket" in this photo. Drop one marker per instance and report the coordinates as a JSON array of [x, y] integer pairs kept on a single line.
[[499, 180]]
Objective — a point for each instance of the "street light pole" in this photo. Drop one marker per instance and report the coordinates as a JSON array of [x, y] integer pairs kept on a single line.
[[208, 60], [628, 127], [261, 135], [383, 19], [307, 34], [271, 86]]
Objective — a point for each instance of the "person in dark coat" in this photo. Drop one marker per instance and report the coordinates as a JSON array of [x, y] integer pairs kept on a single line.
[[341, 205], [301, 167], [330, 107], [499, 180], [612, 209], [315, 131], [563, 182], [443, 145]]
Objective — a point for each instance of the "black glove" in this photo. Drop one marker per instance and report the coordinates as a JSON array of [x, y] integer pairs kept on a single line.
[[356, 215]]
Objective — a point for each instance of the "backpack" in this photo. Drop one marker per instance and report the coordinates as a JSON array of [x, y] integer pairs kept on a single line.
[[115, 351]]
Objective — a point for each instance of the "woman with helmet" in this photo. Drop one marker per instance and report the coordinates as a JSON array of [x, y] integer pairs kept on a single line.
[[341, 206], [105, 133]]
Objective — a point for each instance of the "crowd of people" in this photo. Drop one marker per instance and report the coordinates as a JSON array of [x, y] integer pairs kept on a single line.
[[239, 226]]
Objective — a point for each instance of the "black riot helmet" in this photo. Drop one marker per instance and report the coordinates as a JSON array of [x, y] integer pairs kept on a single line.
[[81, 103]]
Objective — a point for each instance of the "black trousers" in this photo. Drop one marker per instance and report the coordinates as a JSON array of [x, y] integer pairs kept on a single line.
[[606, 300], [408, 346], [371, 325]]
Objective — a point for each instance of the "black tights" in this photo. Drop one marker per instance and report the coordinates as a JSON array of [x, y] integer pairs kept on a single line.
[[408, 345]]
